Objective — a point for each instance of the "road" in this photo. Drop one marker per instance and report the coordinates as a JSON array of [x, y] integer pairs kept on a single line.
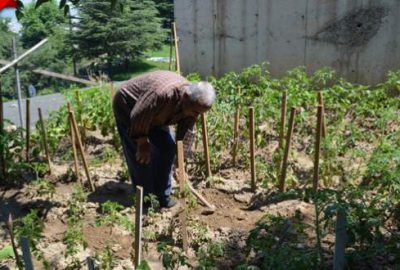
[[47, 103]]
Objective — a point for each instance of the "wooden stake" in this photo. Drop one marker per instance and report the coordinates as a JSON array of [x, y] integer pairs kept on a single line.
[[252, 150], [138, 225], [236, 128], [321, 103], [10, 225], [78, 137], [2, 150], [26, 253], [182, 177], [28, 128], [317, 147], [205, 145], [73, 143], [177, 61], [283, 119], [170, 47], [287, 149], [44, 134], [199, 196]]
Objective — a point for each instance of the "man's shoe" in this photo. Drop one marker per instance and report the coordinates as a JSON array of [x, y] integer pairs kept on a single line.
[[169, 203]]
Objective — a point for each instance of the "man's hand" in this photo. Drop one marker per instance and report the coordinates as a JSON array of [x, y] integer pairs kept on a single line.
[[143, 154]]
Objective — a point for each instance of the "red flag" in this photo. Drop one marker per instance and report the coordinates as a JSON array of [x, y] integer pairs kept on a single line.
[[8, 4]]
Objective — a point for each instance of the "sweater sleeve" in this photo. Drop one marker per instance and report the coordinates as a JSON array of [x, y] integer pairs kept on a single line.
[[186, 131]]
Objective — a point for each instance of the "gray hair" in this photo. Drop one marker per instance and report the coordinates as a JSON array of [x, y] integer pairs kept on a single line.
[[202, 93]]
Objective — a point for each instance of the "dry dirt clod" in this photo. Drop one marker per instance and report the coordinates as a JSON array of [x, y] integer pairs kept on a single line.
[[208, 211]]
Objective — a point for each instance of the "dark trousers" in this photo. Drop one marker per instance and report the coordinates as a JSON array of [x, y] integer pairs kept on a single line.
[[154, 177]]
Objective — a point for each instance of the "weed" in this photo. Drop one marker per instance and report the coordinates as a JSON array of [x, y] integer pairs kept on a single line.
[[172, 257], [208, 256]]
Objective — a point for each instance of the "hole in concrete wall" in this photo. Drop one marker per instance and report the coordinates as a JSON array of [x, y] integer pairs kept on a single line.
[[356, 28]]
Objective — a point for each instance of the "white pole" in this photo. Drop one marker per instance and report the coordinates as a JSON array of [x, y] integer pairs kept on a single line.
[[22, 56], [18, 84]]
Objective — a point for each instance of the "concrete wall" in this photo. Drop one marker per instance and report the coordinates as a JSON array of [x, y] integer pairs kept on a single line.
[[358, 38]]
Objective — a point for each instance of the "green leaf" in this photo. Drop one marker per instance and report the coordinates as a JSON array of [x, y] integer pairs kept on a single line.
[[40, 2], [144, 265], [6, 252]]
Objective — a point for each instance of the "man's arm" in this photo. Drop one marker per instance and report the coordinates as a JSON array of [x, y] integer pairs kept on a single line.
[[186, 131]]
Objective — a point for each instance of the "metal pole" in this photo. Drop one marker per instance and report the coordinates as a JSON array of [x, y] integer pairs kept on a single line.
[[22, 56], [339, 262], [28, 128], [18, 83], [2, 150], [26, 253]]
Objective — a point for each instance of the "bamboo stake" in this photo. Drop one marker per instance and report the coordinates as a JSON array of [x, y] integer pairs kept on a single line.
[[205, 145], [236, 128], [44, 134], [78, 138], [170, 47], [26, 253], [321, 103], [200, 197], [182, 176], [177, 61], [252, 150], [10, 226], [287, 148], [73, 143], [317, 147], [283, 119], [28, 128], [138, 225], [2, 150]]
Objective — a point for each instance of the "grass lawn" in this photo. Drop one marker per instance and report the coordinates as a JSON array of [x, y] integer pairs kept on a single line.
[[144, 65]]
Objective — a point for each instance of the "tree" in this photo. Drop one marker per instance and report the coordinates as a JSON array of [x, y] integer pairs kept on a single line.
[[6, 38], [40, 23], [115, 35], [8, 78], [166, 10]]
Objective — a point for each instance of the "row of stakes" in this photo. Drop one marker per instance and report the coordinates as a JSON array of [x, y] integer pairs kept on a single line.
[[76, 140]]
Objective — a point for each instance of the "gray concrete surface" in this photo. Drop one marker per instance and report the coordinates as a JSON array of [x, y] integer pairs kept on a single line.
[[47, 103], [360, 38]]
